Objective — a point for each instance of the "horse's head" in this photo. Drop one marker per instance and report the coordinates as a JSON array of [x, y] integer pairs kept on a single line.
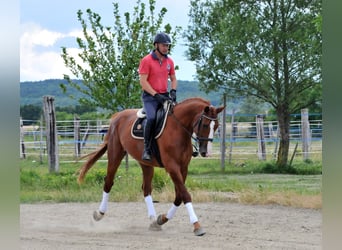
[[206, 121]]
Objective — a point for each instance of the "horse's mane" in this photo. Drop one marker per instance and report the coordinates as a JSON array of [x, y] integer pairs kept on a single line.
[[192, 99]]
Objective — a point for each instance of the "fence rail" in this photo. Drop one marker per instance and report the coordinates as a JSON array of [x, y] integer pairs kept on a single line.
[[241, 137]]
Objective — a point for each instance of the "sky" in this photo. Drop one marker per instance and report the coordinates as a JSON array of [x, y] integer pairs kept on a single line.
[[46, 26]]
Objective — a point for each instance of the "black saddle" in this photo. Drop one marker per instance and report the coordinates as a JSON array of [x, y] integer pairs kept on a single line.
[[137, 130]]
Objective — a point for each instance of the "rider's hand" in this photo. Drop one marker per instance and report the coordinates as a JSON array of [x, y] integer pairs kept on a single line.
[[173, 95], [160, 98]]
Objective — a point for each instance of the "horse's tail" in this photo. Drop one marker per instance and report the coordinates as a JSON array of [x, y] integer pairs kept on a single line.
[[92, 158]]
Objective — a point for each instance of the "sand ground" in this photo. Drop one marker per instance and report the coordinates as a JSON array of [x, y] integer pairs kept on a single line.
[[125, 226]]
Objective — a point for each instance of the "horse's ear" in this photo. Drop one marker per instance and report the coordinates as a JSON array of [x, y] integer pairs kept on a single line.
[[219, 109]]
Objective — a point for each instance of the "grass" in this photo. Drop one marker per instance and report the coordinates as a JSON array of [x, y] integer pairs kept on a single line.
[[248, 183]]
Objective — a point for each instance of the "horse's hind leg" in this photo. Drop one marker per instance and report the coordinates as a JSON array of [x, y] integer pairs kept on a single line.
[[114, 160], [148, 173]]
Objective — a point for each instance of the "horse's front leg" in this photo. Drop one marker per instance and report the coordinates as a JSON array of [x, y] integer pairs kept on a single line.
[[182, 195], [198, 230], [163, 218]]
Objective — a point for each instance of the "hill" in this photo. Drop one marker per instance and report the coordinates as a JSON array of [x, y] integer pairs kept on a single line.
[[33, 92]]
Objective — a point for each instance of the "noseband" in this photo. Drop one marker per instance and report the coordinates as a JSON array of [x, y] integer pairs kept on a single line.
[[199, 123]]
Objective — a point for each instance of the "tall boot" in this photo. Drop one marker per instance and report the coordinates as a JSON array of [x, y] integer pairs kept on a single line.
[[147, 141]]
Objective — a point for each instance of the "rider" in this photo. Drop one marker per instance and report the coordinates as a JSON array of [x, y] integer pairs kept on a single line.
[[155, 70]]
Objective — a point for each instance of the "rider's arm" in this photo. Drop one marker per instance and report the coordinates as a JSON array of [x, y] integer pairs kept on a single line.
[[173, 82], [146, 85]]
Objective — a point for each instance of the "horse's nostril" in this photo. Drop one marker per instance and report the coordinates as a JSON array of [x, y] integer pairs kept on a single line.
[[195, 154], [204, 154]]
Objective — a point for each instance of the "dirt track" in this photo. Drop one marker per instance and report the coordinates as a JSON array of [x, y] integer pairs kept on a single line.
[[125, 226]]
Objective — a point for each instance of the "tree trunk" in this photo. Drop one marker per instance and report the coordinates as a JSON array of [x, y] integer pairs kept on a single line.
[[284, 144]]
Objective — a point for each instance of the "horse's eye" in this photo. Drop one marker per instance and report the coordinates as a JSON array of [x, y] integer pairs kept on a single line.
[[205, 126]]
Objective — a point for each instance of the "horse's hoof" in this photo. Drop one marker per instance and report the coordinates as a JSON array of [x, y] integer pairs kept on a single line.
[[161, 219], [154, 226], [199, 231], [97, 215]]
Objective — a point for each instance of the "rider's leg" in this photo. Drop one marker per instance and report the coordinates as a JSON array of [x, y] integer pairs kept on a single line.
[[147, 140], [150, 106]]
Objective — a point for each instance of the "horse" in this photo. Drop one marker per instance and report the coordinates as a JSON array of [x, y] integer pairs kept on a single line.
[[187, 120]]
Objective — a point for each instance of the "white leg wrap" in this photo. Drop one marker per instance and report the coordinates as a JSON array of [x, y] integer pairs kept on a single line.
[[171, 211], [150, 207], [104, 202], [191, 212]]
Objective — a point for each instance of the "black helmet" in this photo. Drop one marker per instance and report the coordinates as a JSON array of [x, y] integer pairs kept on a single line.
[[162, 38]]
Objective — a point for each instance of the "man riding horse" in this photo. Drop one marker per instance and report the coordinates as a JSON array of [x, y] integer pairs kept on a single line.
[[191, 116], [155, 69]]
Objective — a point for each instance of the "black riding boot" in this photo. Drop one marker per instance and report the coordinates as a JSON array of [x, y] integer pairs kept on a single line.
[[147, 141]]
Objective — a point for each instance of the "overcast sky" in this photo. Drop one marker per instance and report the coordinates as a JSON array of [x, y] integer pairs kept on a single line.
[[46, 26]]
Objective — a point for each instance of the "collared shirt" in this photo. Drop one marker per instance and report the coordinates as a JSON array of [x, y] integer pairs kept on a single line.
[[158, 71]]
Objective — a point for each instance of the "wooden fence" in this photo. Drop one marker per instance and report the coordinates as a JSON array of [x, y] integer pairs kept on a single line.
[[246, 140]]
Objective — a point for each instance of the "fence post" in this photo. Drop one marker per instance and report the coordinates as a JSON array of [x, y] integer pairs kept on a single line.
[[223, 135], [77, 136], [232, 136], [98, 128], [22, 144], [41, 140], [305, 133], [261, 137], [86, 134], [51, 133]]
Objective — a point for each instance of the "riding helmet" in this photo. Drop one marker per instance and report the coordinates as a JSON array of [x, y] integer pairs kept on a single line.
[[162, 38]]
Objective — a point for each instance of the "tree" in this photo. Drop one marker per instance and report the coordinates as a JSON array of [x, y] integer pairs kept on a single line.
[[270, 49], [31, 113], [78, 109], [252, 105], [110, 56]]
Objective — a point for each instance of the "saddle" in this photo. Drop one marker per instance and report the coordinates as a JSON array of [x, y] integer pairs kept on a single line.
[[137, 130]]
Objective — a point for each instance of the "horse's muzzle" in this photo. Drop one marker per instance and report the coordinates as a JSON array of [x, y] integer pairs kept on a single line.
[[204, 154]]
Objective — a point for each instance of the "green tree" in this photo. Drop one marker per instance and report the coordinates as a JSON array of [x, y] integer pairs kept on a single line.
[[252, 106], [110, 56], [30, 113], [78, 109], [270, 49]]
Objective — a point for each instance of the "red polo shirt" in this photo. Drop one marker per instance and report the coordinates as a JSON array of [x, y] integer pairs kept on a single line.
[[158, 72]]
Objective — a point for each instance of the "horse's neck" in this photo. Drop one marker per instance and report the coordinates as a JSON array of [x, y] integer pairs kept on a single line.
[[188, 112]]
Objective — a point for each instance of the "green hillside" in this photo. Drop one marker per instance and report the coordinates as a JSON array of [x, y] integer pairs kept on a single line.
[[33, 92]]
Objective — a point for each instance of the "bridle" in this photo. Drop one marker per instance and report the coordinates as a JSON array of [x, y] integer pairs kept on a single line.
[[201, 139], [198, 123]]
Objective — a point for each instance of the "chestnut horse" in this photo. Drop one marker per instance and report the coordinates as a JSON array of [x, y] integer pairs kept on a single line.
[[192, 115]]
